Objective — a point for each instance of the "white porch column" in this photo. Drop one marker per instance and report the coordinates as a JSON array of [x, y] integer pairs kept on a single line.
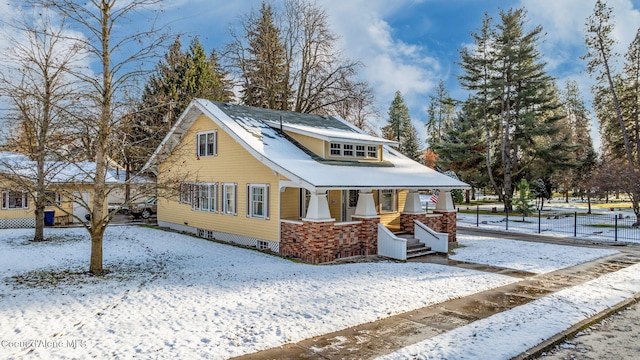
[[318, 209], [413, 205], [445, 201], [366, 206]]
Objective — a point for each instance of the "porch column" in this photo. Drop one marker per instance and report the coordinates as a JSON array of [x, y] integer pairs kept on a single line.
[[367, 214], [413, 205], [366, 207], [412, 211], [445, 201], [318, 209], [448, 219]]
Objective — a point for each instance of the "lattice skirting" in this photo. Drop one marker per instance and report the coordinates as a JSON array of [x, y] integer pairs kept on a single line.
[[226, 237], [17, 223]]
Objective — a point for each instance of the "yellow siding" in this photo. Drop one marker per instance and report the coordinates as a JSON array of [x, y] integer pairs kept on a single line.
[[335, 204], [289, 203], [392, 220], [233, 164], [317, 146], [65, 205]]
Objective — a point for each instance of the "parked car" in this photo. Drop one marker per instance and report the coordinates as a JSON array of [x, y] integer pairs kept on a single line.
[[145, 209]]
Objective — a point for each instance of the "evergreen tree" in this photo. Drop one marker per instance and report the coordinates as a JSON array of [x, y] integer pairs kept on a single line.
[[477, 79], [178, 79], [615, 102], [410, 144], [265, 72], [516, 98], [399, 119], [462, 149], [584, 154], [440, 113], [522, 203]]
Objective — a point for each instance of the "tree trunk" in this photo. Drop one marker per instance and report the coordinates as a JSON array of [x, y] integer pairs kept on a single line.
[[39, 215], [589, 202], [95, 266]]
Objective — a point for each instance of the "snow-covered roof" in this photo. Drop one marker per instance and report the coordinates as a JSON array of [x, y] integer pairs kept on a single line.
[[257, 130], [14, 164]]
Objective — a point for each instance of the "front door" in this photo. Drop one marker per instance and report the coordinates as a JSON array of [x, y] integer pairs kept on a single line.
[[349, 203]]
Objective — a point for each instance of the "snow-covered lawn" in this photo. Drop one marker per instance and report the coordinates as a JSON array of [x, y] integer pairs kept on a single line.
[[174, 296], [524, 256]]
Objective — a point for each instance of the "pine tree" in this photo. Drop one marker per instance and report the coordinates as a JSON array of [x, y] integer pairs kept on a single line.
[[265, 74], [399, 119], [410, 144], [517, 99], [462, 149], [614, 99], [178, 79], [440, 113]]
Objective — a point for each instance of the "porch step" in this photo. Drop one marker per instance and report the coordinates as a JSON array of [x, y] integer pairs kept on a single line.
[[420, 252], [415, 248]]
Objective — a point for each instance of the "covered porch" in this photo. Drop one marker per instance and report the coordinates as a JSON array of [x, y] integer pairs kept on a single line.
[[321, 225]]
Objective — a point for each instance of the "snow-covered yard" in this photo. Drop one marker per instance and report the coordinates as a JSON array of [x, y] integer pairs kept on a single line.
[[174, 296]]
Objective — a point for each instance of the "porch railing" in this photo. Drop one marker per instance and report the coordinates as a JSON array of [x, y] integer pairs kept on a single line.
[[390, 245], [437, 241]]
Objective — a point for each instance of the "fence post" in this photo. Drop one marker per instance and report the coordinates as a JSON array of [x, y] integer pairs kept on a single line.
[[575, 224], [616, 228], [477, 215], [539, 221]]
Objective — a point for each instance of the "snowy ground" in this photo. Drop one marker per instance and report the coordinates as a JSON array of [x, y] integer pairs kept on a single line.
[[174, 296], [521, 255]]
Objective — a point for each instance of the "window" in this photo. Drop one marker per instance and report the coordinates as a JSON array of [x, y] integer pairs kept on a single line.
[[258, 201], [347, 150], [335, 149], [354, 150], [387, 200], [186, 190], [229, 199], [15, 199], [52, 198], [207, 143], [201, 196], [372, 151]]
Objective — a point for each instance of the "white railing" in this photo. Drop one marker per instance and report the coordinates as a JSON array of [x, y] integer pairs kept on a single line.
[[435, 240], [390, 245]]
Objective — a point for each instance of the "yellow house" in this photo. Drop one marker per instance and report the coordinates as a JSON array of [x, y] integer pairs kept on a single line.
[[69, 187], [302, 185]]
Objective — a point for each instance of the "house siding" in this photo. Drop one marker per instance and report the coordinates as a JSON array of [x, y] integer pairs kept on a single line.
[[233, 164], [290, 204], [317, 146]]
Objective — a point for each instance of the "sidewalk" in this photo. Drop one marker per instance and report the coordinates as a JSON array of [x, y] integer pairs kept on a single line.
[[466, 327]]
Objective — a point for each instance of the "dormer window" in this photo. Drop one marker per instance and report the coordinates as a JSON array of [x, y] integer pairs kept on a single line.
[[353, 150]]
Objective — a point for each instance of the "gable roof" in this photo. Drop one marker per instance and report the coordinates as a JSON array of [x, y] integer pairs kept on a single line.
[[258, 131]]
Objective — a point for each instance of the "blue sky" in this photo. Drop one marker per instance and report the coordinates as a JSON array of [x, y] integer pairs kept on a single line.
[[409, 45]]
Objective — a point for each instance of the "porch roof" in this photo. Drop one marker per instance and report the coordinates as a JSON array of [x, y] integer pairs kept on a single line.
[[255, 130]]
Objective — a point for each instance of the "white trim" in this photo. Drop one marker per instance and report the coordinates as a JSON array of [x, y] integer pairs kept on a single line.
[[224, 210]]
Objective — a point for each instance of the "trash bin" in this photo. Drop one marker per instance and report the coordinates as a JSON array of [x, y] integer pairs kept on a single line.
[[49, 217]]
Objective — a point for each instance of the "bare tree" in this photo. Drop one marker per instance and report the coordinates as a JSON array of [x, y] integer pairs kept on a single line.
[[41, 98], [119, 50]]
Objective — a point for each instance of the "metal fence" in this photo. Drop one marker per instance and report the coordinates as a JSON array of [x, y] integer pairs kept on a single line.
[[603, 226]]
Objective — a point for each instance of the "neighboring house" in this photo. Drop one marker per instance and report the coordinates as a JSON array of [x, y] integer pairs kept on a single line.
[[69, 185], [307, 186]]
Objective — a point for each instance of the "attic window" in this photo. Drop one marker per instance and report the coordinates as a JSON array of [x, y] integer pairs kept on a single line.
[[353, 150], [207, 143]]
